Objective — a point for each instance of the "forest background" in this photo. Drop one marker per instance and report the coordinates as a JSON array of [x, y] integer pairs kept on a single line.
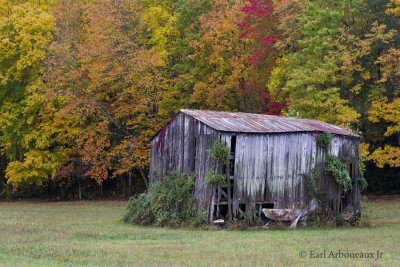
[[86, 84]]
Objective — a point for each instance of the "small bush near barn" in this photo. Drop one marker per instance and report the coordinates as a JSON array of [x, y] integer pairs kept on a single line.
[[169, 202]]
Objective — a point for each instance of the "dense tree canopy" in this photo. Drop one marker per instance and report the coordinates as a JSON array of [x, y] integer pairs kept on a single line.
[[85, 85]]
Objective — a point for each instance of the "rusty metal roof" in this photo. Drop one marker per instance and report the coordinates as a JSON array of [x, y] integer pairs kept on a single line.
[[260, 123]]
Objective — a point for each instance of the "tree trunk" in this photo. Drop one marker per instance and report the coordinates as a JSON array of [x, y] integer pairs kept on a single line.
[[48, 188], [122, 179], [129, 184], [145, 179], [62, 191], [101, 188], [79, 189]]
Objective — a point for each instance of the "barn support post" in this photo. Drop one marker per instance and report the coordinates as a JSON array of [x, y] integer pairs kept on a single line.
[[250, 210], [228, 180], [211, 213], [218, 201]]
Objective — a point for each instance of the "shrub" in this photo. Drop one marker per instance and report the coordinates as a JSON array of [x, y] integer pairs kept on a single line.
[[214, 178], [139, 211], [339, 219], [313, 219], [168, 202]]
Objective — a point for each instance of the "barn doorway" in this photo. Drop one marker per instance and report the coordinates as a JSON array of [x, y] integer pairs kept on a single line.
[[226, 192]]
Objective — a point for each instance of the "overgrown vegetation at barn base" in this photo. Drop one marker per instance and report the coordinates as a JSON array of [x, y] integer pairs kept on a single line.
[[168, 202]]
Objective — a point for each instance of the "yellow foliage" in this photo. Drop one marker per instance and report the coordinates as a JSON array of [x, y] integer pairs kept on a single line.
[[159, 23], [390, 63], [393, 7], [364, 150], [24, 36], [389, 155], [37, 167], [389, 112], [278, 77]]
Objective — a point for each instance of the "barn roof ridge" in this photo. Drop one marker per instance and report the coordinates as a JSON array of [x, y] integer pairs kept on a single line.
[[261, 123]]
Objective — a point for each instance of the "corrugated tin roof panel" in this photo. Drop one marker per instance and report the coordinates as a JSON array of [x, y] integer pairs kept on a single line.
[[259, 123]]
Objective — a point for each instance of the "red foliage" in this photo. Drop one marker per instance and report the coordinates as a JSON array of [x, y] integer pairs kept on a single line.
[[271, 107], [274, 108], [259, 8], [259, 24]]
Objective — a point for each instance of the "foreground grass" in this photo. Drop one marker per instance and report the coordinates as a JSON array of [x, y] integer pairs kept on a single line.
[[91, 234]]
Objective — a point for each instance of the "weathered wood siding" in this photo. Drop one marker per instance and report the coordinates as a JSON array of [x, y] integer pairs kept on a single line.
[[269, 168], [173, 149], [183, 146]]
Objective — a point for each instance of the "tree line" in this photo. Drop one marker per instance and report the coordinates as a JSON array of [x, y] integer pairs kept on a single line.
[[85, 85]]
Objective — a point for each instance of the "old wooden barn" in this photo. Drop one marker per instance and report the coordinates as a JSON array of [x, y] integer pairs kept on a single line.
[[269, 155]]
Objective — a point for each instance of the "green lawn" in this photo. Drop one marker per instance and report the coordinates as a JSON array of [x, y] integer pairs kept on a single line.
[[91, 234]]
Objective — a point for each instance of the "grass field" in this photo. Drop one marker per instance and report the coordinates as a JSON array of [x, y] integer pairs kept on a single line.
[[91, 234]]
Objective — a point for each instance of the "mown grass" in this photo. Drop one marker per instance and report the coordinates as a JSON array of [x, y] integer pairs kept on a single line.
[[91, 234]]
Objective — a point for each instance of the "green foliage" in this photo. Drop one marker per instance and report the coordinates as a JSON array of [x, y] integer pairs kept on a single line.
[[363, 183], [339, 171], [292, 113], [168, 202], [362, 164], [214, 178], [339, 219], [324, 140], [219, 151], [139, 210], [314, 220], [310, 81]]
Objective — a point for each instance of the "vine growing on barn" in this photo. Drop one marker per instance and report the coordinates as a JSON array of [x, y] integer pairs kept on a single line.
[[324, 140], [339, 171]]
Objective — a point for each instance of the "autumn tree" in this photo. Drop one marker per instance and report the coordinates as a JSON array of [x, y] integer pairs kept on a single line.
[[259, 28], [113, 80], [390, 113], [26, 32], [222, 69], [310, 69]]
